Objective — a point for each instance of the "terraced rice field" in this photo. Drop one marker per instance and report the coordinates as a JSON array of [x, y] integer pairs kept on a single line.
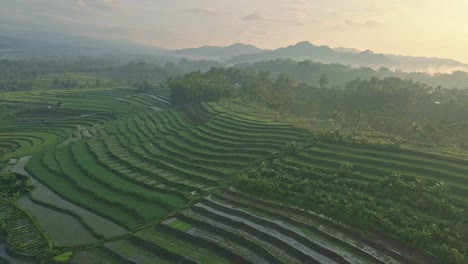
[[131, 164], [376, 162], [137, 169], [147, 182], [68, 220], [232, 227], [24, 237]]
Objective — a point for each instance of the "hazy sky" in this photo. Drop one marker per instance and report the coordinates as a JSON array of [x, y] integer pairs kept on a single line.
[[411, 27]]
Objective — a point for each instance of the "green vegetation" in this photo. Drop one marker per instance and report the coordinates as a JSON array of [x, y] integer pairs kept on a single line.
[[386, 159], [161, 237], [89, 73], [338, 75], [64, 257], [177, 224], [221, 83], [134, 165], [23, 236], [418, 210], [13, 186]]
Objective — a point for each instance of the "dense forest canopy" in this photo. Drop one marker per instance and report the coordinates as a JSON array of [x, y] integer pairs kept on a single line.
[[28, 74], [218, 83], [309, 72], [390, 94], [402, 108]]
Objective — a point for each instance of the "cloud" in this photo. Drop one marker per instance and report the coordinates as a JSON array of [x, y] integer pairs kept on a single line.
[[365, 24], [260, 16], [336, 28], [109, 6], [371, 23], [255, 32], [203, 11], [298, 2], [82, 3], [256, 15], [284, 21]]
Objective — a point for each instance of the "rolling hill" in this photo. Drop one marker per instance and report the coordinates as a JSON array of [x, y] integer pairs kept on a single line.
[[218, 53], [45, 45]]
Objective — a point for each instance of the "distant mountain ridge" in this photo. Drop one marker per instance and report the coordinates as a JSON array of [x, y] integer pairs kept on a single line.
[[217, 52], [35, 45], [324, 54], [47, 44], [307, 51], [304, 50]]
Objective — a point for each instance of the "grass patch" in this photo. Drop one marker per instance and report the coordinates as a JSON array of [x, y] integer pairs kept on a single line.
[[180, 225]]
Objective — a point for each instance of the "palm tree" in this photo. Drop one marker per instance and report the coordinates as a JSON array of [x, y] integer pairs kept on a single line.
[[323, 81], [346, 170]]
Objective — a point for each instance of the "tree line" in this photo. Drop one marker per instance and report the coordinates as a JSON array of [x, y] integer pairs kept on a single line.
[[12, 86], [310, 72], [274, 92]]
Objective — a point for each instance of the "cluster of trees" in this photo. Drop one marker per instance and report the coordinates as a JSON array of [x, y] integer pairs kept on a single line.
[[389, 95], [12, 86], [65, 84], [116, 68], [310, 72], [263, 88], [157, 69], [17, 73], [197, 87], [416, 211], [402, 108], [144, 87], [13, 186], [32, 68], [386, 94], [138, 71], [70, 84], [20, 75]]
